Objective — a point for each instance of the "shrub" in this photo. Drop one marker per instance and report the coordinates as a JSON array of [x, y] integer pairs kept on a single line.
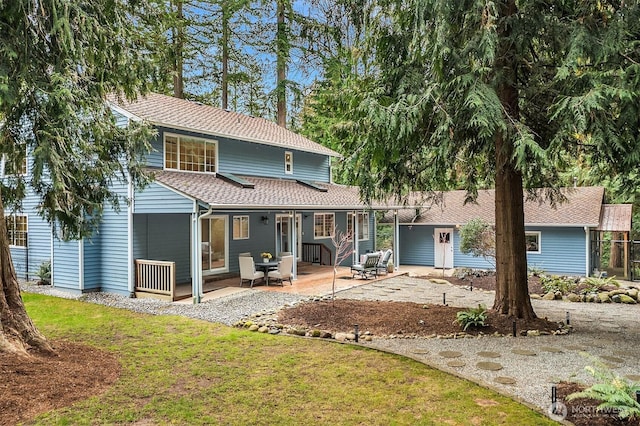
[[553, 283], [594, 284], [472, 317], [44, 273], [615, 392]]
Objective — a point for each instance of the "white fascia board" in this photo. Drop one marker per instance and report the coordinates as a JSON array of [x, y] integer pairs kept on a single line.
[[124, 112]]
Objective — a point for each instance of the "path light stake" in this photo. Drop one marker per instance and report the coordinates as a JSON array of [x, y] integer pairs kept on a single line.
[[638, 395], [568, 319], [554, 396], [514, 328], [356, 332], [471, 285], [444, 298]]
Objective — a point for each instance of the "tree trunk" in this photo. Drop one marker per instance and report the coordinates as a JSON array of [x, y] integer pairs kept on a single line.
[[178, 45], [225, 55], [282, 54], [17, 332], [512, 291]]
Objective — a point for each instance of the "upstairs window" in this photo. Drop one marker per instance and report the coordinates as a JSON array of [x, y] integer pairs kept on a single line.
[[363, 225], [190, 154], [288, 162], [17, 230], [323, 224]]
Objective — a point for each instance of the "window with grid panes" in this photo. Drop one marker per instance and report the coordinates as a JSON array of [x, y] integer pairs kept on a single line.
[[17, 230], [323, 224], [241, 227], [189, 154], [363, 225]]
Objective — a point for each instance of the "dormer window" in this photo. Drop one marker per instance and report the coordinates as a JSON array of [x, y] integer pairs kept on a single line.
[[190, 154], [288, 162]]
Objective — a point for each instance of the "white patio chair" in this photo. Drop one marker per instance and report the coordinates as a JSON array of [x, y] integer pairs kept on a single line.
[[248, 270], [284, 271]]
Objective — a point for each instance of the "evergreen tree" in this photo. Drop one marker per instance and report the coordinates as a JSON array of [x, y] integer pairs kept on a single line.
[[58, 62], [470, 93]]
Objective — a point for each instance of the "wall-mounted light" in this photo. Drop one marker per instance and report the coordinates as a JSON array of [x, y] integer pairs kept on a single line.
[[265, 220]]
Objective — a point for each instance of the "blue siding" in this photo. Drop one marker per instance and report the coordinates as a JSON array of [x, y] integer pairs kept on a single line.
[[113, 241], [261, 238], [253, 159], [66, 264], [563, 250], [156, 198], [92, 264]]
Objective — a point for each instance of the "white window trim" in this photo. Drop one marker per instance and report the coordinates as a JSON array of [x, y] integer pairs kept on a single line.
[[539, 235], [316, 237], [241, 218], [27, 231], [288, 163], [3, 166], [350, 220], [178, 136]]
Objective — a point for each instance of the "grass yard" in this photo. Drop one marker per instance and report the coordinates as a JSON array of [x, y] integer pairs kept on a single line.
[[182, 371]]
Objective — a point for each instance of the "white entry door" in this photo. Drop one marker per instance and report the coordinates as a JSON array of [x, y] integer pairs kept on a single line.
[[443, 242]]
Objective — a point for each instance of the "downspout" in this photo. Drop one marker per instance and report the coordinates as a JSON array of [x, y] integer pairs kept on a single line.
[[53, 284], [196, 232], [354, 237], [81, 265], [587, 251], [396, 241], [294, 243], [130, 260]]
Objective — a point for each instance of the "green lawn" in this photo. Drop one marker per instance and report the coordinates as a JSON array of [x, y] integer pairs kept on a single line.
[[183, 371]]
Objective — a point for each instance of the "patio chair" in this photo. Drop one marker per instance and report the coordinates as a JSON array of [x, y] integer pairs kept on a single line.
[[367, 269], [248, 270], [245, 254], [284, 271], [383, 264]]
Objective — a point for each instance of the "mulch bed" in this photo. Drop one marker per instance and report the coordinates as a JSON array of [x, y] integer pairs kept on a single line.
[[41, 383], [383, 318]]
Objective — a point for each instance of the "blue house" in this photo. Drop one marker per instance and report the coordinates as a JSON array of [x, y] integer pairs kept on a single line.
[[562, 239], [224, 183]]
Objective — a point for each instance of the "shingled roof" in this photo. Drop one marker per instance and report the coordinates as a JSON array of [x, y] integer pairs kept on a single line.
[[167, 111], [582, 208], [267, 193]]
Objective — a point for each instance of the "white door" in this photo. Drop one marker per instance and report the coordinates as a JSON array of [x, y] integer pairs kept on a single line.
[[283, 234], [443, 242]]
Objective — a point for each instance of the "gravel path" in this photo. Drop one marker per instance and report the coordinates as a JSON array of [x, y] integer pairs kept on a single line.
[[524, 368], [528, 366]]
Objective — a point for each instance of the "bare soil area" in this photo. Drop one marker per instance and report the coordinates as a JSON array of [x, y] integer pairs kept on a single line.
[[40, 383]]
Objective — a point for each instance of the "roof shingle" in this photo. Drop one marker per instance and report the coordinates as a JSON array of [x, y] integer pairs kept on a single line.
[[183, 114], [582, 208]]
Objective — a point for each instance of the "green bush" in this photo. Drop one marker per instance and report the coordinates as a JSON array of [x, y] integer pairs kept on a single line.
[[553, 283], [472, 317], [44, 273], [594, 284], [615, 392]]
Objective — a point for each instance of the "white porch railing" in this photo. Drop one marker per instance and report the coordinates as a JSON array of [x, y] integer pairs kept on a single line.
[[156, 277]]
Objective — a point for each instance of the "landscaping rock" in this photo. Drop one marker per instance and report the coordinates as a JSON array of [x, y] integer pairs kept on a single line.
[[627, 299], [263, 329], [572, 297], [535, 296], [533, 332], [438, 281], [616, 298], [590, 298], [618, 291], [558, 295], [254, 327], [604, 298], [549, 296], [633, 293], [343, 337]]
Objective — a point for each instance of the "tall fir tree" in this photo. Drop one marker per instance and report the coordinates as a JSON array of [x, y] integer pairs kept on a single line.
[[58, 62], [503, 93]]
